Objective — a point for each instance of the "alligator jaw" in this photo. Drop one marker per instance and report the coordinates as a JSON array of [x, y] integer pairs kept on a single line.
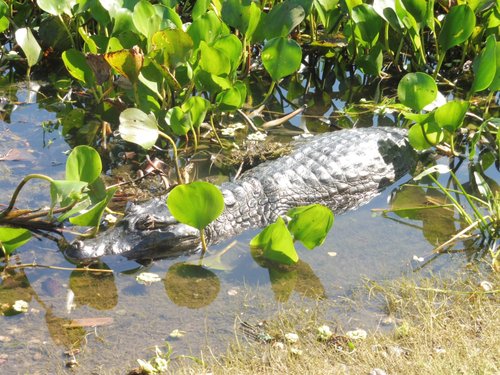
[[170, 241]]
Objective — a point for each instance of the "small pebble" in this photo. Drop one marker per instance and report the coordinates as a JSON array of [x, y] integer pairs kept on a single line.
[[378, 371]]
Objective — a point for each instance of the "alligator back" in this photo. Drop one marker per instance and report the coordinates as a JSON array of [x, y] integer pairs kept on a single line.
[[341, 170]]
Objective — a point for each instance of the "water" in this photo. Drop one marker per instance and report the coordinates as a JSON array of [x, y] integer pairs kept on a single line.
[[207, 306]]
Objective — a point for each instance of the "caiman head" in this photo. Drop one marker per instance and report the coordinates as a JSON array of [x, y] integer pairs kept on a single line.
[[148, 231]]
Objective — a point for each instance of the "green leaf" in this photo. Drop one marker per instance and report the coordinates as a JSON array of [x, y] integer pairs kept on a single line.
[[29, 45], [206, 28], [176, 44], [83, 164], [451, 115], [416, 90], [485, 66], [56, 7], [196, 204], [138, 127], [4, 9], [368, 24], [92, 217], [12, 238], [77, 66], [457, 27], [197, 108], [495, 85], [277, 243], [233, 98], [310, 224], [424, 136], [178, 120], [145, 18], [242, 17], [66, 192], [281, 57], [213, 60], [279, 22], [231, 46]]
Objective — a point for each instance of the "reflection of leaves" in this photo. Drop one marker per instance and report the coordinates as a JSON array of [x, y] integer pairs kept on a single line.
[[191, 286], [15, 286], [68, 337], [284, 279], [97, 290], [413, 202]]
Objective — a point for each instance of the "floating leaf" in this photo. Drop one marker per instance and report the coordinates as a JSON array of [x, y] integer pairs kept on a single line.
[[310, 224], [138, 127], [196, 204]]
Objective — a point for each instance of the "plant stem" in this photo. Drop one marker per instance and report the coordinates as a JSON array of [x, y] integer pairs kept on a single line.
[[438, 67], [215, 130], [203, 242], [18, 190], [180, 180], [67, 31]]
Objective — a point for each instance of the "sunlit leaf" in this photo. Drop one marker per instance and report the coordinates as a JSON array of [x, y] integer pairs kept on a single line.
[[29, 45], [310, 224], [66, 192], [12, 238], [232, 99], [78, 67], [206, 28], [279, 22], [424, 136], [495, 84], [281, 57], [56, 7], [83, 164], [177, 45], [451, 115], [196, 204], [127, 62], [197, 107], [92, 217], [138, 127], [485, 66], [277, 243], [242, 17], [232, 48], [145, 18], [178, 120], [416, 90], [439, 168], [457, 27], [368, 24], [213, 60]]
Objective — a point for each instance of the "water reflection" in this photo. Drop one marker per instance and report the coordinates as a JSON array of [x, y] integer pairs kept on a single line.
[[191, 286], [285, 279], [97, 290]]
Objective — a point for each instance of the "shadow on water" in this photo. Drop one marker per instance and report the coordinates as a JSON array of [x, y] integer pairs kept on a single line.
[[112, 319]]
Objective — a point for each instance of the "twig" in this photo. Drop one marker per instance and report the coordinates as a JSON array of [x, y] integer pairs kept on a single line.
[[36, 265]]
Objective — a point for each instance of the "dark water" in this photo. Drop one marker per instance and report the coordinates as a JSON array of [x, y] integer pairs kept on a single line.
[[205, 305]]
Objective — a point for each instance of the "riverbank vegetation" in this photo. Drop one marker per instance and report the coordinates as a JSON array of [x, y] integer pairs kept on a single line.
[[425, 325]]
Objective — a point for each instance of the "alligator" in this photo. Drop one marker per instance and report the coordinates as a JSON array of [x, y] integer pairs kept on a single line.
[[341, 170]]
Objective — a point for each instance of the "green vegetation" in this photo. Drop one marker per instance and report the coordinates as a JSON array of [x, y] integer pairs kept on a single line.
[[157, 70]]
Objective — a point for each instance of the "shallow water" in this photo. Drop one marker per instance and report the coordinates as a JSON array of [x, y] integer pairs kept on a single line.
[[207, 306]]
